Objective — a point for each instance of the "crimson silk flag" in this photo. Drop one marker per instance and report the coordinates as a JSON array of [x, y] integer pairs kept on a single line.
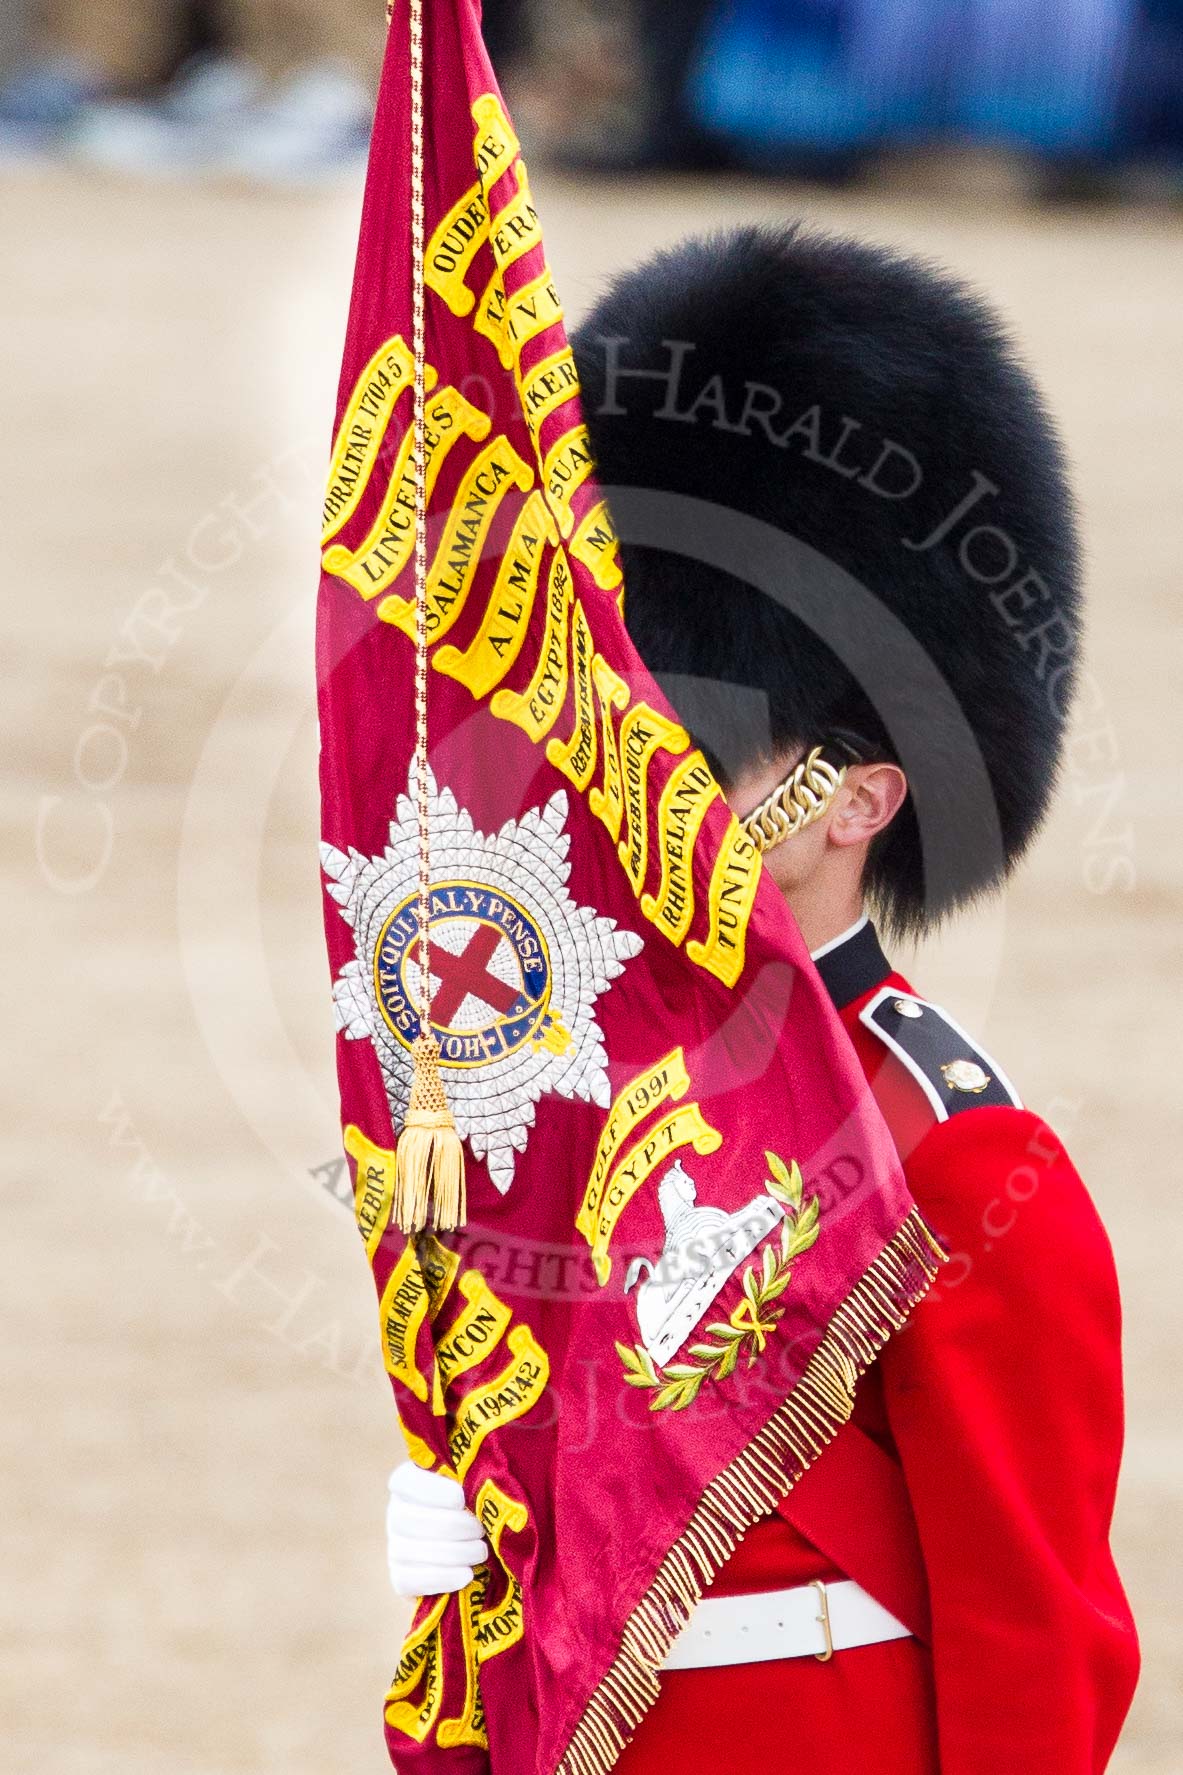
[[687, 1230]]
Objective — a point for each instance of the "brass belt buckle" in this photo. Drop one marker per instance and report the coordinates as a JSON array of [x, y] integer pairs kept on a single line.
[[824, 1622]]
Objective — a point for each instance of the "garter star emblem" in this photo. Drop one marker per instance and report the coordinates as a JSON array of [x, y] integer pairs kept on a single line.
[[516, 967]]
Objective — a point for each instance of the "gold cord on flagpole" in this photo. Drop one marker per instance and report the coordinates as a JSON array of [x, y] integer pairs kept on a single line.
[[429, 1162]]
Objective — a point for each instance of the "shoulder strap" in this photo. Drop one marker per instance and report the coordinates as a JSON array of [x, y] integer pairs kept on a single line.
[[954, 1073], [853, 1505]]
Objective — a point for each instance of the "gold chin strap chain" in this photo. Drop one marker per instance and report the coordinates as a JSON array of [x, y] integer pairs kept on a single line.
[[803, 797]]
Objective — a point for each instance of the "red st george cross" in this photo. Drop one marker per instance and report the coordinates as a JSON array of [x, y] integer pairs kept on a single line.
[[469, 972]]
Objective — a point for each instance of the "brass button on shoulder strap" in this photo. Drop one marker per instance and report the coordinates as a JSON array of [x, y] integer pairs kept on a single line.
[[966, 1075]]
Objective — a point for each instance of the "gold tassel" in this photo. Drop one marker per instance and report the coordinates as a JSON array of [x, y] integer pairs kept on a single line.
[[429, 1157]]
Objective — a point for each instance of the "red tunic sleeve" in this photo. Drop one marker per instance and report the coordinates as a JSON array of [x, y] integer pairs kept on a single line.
[[1004, 1396]]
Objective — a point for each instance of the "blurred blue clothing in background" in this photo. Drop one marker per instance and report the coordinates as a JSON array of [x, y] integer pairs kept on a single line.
[[1152, 98], [1044, 76], [846, 76], [820, 75]]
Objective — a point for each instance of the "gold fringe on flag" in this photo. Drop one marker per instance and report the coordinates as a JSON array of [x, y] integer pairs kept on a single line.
[[750, 1488]]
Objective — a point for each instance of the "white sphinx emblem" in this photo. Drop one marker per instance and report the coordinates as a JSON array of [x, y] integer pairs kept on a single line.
[[703, 1249]]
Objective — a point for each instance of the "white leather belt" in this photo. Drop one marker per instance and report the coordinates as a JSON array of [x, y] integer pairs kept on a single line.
[[811, 1620]]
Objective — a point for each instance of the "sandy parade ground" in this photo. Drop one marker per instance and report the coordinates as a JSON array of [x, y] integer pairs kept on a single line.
[[196, 1423]]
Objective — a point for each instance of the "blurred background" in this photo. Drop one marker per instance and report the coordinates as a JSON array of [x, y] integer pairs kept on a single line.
[[196, 1425], [1085, 97]]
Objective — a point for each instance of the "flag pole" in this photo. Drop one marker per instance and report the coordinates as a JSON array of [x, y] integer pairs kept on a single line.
[[429, 1163]]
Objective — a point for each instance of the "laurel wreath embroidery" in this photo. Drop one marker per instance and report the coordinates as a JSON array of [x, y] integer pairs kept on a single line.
[[754, 1318]]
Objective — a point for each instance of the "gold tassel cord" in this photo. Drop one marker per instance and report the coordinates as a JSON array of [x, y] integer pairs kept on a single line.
[[429, 1158], [751, 1487]]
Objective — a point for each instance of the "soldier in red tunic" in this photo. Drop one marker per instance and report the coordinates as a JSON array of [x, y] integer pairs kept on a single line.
[[851, 562]]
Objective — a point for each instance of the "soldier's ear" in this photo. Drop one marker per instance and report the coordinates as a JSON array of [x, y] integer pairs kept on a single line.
[[868, 802]]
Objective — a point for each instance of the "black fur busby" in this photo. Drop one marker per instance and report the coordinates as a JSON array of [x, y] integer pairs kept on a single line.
[[843, 509]]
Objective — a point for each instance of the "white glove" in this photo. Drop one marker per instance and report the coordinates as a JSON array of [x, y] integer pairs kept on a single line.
[[432, 1540]]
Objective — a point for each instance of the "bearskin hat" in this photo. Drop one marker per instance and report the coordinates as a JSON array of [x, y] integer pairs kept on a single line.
[[843, 512]]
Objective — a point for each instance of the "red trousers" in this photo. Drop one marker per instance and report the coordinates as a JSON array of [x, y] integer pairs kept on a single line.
[[869, 1711]]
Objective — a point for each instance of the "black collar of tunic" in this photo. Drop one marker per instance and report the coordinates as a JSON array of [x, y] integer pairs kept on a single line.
[[854, 967]]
